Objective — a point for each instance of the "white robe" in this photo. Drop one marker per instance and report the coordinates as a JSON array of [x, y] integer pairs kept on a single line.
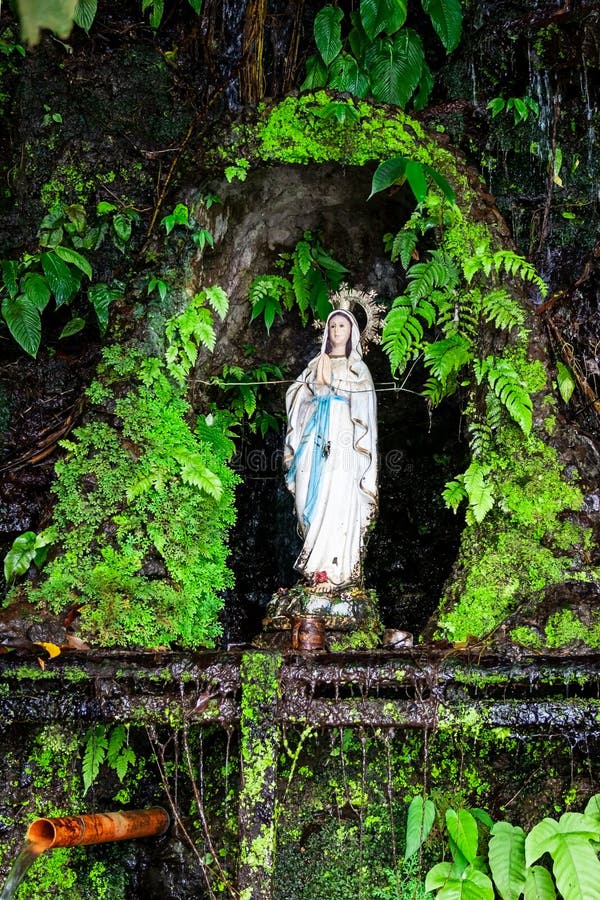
[[334, 511]]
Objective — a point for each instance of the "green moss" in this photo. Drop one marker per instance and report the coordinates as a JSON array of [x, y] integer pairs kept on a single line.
[[564, 628], [526, 636]]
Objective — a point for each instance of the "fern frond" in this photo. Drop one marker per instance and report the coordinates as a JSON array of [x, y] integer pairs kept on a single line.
[[479, 491], [454, 493], [445, 357], [506, 384], [93, 755], [402, 334], [435, 391], [480, 438], [403, 246], [502, 310]]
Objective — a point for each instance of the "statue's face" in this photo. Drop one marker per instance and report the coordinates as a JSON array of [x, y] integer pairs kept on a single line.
[[339, 332]]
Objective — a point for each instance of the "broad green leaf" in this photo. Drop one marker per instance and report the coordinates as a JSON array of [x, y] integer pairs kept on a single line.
[[328, 32], [421, 816], [446, 18], [104, 207], [85, 13], [565, 382], [593, 807], [345, 75], [24, 322], [576, 868], [73, 326], [57, 15], [444, 186], [101, 296], [196, 6], [382, 15], [482, 816], [506, 854], [64, 281], [415, 175], [122, 226], [473, 885], [36, 288], [72, 256], [20, 556], [387, 173], [438, 876], [10, 270], [316, 73], [496, 105], [424, 88], [539, 885], [395, 65], [547, 834], [462, 828]]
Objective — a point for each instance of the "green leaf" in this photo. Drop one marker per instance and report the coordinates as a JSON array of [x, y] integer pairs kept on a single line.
[[72, 256], [471, 885], [496, 106], [438, 876], [565, 381], [479, 490], [85, 13], [454, 493], [196, 6], [462, 828], [122, 226], [382, 15], [506, 853], [421, 816], [345, 74], [444, 185], [94, 755], [389, 172], [395, 66], [73, 326], [20, 556], [10, 271], [101, 296], [104, 207], [36, 288], [447, 356], [415, 175], [316, 73], [592, 809], [328, 32], [194, 471], [539, 885], [57, 15], [446, 18], [64, 281], [218, 299], [24, 322]]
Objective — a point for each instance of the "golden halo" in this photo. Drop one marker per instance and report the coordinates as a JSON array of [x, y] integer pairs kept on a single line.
[[349, 298]]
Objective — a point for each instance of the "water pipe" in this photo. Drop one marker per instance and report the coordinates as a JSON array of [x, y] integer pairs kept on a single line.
[[96, 828]]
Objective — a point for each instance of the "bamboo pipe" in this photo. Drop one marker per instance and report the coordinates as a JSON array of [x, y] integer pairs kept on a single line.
[[96, 828]]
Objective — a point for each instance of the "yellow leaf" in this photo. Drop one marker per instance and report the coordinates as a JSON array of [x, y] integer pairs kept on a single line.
[[42, 663], [51, 649], [557, 180]]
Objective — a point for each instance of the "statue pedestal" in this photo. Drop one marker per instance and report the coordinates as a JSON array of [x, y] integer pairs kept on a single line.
[[350, 617]]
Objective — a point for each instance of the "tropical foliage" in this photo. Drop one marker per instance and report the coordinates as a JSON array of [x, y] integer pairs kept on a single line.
[[379, 56], [499, 859]]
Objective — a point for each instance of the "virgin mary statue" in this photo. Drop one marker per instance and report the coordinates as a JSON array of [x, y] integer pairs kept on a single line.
[[330, 456]]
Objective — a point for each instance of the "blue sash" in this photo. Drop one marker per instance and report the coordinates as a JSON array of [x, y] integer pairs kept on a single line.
[[317, 426]]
